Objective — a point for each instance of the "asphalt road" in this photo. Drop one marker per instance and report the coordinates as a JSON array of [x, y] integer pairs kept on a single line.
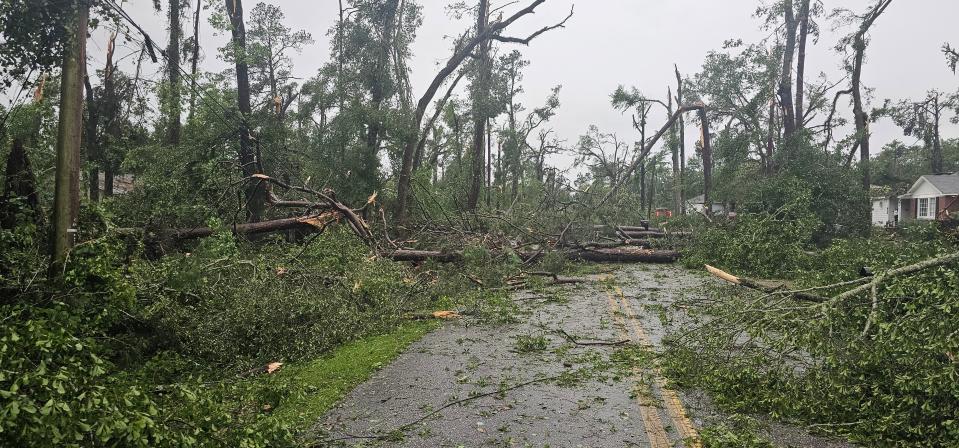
[[555, 377]]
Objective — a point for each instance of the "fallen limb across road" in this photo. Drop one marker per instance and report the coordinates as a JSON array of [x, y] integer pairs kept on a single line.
[[603, 255]]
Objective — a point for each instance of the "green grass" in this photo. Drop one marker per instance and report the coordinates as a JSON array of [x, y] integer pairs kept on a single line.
[[314, 387]]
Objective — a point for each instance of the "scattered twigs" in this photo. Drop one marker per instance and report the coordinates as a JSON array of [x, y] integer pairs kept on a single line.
[[572, 339], [424, 417]]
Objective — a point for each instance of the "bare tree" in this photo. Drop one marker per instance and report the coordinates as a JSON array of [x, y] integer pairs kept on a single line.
[[464, 49]]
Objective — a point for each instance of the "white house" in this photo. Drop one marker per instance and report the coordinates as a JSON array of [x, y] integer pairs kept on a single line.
[[697, 205], [932, 197], [885, 207]]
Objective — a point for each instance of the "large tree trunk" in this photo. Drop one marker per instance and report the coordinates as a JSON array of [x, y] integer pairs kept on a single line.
[[381, 74], [677, 196], [602, 255], [19, 184], [937, 165], [195, 57], [682, 143], [707, 162], [785, 83], [480, 107], [174, 128], [861, 117], [92, 143], [66, 201], [801, 63], [255, 192]]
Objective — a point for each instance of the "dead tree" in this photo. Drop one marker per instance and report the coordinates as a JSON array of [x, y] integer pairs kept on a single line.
[[648, 146], [682, 143], [463, 50]]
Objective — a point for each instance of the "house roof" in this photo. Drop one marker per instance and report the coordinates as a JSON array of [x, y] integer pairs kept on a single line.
[[947, 184]]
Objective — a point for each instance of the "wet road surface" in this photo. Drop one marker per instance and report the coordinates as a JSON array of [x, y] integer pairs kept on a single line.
[[555, 376]]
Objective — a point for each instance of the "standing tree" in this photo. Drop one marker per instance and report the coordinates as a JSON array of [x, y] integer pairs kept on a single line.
[[922, 120], [464, 48], [858, 42], [255, 192], [172, 102], [481, 105]]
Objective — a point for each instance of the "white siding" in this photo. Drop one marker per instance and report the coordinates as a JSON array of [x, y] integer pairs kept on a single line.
[[880, 212], [924, 189]]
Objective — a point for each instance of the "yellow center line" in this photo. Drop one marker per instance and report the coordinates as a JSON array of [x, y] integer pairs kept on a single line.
[[674, 407], [652, 423]]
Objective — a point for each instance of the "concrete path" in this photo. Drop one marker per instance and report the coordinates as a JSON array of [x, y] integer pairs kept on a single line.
[[525, 383]]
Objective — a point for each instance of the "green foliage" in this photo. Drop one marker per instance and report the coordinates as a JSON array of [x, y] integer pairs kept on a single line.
[[764, 244], [890, 382], [220, 307]]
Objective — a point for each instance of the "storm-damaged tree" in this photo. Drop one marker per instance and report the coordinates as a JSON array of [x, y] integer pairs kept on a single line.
[[856, 44], [255, 192], [464, 47], [482, 105], [952, 56], [922, 119], [171, 101]]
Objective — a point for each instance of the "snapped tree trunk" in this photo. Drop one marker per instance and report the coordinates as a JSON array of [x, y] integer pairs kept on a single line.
[[707, 162], [66, 200], [19, 184], [682, 143]]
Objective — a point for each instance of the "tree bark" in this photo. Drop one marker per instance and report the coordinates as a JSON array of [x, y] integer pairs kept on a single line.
[[66, 202], [682, 143], [801, 63], [174, 127], [861, 117], [195, 57], [707, 162], [92, 143], [785, 83], [255, 193], [480, 106], [19, 183]]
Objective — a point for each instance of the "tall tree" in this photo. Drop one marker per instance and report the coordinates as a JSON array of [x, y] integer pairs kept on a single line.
[[681, 124], [922, 119], [255, 192], [858, 42], [481, 105], [66, 199], [464, 48], [173, 100]]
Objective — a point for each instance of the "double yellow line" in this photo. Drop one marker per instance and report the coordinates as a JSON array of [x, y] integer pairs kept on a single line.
[[655, 429]]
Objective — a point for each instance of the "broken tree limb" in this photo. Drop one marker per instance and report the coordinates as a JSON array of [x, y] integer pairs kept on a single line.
[[310, 222], [603, 255], [762, 287], [905, 270]]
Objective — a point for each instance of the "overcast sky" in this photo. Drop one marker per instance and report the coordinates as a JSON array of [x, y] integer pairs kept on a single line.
[[636, 42]]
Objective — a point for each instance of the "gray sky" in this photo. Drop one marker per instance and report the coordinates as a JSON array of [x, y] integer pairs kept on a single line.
[[636, 42]]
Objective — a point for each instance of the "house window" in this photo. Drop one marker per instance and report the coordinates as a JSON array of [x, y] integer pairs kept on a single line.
[[927, 208]]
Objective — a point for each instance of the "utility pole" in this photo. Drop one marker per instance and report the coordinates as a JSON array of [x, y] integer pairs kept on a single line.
[[66, 200]]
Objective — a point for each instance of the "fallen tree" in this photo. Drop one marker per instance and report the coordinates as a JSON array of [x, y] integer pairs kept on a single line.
[[603, 255]]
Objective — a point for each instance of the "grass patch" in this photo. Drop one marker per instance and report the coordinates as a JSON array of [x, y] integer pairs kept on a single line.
[[314, 387]]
